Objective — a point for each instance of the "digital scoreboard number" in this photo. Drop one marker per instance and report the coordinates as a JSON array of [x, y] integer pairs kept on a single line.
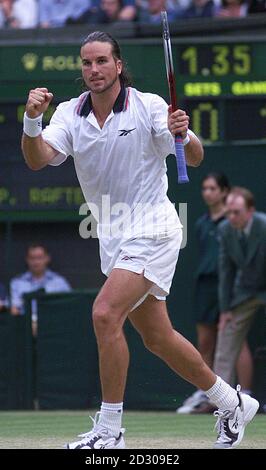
[[218, 60], [222, 86], [228, 120]]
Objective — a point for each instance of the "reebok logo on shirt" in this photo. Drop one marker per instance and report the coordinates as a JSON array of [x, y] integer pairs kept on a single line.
[[125, 131]]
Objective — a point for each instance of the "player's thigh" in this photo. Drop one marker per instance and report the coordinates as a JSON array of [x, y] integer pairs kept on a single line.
[[151, 319], [122, 290]]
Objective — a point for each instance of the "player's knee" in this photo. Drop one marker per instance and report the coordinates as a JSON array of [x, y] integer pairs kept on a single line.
[[101, 316], [105, 319]]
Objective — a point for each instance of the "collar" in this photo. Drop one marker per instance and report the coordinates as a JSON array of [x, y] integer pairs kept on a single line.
[[120, 104]]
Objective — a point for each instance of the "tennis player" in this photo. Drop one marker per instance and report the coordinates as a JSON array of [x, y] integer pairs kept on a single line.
[[119, 139]]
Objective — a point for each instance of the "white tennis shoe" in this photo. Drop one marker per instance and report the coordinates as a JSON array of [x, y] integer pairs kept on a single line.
[[98, 438], [231, 425]]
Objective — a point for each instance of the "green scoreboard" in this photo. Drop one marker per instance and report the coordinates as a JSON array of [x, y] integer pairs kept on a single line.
[[221, 83], [224, 89]]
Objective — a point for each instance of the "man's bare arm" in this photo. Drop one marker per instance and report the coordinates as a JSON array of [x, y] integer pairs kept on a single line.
[[36, 151], [194, 151]]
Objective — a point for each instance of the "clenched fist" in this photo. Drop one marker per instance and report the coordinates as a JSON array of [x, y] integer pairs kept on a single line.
[[38, 102]]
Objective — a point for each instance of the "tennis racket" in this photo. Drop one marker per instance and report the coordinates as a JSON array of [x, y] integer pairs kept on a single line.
[[179, 147]]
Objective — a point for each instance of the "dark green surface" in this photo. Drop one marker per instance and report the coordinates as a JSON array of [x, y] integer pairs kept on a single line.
[[67, 365], [15, 363]]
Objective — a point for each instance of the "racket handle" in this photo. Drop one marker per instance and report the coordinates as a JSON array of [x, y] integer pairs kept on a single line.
[[181, 160]]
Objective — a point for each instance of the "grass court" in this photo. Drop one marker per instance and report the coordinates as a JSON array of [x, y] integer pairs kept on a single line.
[[144, 430]]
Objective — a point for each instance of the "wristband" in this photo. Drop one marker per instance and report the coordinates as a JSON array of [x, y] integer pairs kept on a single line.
[[186, 140], [32, 127]]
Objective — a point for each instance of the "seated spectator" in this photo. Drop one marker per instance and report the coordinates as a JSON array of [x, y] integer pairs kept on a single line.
[[200, 9], [18, 13], [106, 11], [152, 12], [3, 298], [37, 277], [57, 13], [232, 9]]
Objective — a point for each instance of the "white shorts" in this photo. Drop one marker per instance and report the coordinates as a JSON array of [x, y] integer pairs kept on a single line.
[[156, 258]]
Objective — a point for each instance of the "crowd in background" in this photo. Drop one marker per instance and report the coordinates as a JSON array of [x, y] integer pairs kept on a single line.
[[59, 13]]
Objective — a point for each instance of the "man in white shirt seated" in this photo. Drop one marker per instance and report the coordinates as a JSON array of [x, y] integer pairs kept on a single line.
[[37, 277]]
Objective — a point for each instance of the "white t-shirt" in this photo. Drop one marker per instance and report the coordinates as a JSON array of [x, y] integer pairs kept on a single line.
[[122, 164]]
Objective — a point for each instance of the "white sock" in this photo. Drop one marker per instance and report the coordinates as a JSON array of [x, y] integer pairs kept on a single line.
[[111, 417], [223, 395]]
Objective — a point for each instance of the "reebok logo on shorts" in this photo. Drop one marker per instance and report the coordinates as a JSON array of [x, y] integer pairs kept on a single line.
[[126, 258]]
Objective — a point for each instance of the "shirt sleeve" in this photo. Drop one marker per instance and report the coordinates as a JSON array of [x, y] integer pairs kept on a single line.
[[163, 138], [79, 7], [45, 7], [26, 17], [58, 134], [63, 285], [57, 284], [162, 135], [15, 294]]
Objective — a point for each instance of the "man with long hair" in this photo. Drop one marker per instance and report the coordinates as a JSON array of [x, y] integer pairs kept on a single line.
[[119, 139]]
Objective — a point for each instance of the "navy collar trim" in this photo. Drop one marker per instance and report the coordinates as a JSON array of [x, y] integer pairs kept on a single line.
[[119, 106]]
